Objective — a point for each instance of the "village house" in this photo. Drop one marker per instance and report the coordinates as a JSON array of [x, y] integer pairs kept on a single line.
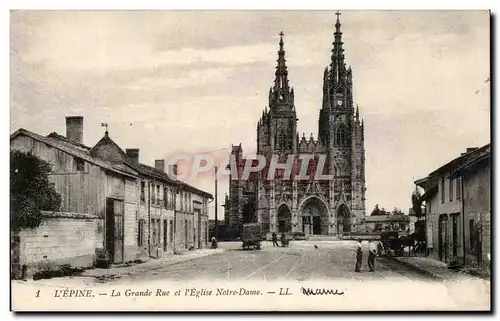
[[458, 209], [112, 206]]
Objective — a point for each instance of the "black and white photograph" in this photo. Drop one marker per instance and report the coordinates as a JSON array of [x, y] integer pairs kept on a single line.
[[250, 160]]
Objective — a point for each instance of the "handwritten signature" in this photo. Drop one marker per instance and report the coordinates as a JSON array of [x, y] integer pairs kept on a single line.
[[308, 291]]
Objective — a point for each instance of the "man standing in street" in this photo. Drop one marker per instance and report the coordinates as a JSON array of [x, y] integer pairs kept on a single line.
[[359, 256], [275, 240], [372, 246]]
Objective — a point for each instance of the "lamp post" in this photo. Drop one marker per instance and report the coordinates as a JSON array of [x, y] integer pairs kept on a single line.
[[216, 228], [177, 189]]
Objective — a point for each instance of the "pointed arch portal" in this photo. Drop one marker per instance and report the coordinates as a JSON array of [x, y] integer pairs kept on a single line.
[[284, 219], [314, 217], [343, 219]]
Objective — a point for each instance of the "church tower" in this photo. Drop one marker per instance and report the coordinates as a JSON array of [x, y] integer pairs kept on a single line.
[[277, 128], [313, 206], [341, 131]]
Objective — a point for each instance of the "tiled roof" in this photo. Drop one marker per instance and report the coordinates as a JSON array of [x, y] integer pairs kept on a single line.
[[84, 152], [478, 157], [430, 181], [79, 150]]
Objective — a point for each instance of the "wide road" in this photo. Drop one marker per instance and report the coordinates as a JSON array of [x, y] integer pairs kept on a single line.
[[300, 261]]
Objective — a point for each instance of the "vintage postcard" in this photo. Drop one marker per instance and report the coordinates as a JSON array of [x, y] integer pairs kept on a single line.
[[250, 160]]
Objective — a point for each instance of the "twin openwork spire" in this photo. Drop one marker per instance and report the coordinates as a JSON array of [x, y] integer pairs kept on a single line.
[[281, 94]]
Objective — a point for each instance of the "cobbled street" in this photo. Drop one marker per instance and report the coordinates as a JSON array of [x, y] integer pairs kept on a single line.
[[300, 261]]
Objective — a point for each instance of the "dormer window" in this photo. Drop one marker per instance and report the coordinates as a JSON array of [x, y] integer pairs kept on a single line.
[[80, 164]]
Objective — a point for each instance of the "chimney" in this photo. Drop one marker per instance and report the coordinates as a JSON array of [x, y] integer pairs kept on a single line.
[[133, 154], [471, 149], [74, 129], [160, 165]]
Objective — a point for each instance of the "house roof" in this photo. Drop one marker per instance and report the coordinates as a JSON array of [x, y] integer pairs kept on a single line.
[[127, 167], [431, 180], [75, 149], [147, 170], [459, 161], [472, 162]]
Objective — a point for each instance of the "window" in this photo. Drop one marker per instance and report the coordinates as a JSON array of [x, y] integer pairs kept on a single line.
[[181, 201], [282, 139], [459, 188], [140, 233], [340, 136], [171, 230], [158, 234], [158, 200], [442, 190], [153, 194], [143, 187], [450, 181], [80, 164], [165, 197]]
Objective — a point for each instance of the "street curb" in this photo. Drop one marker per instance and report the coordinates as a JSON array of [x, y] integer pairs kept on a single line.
[[418, 269], [181, 261], [152, 268]]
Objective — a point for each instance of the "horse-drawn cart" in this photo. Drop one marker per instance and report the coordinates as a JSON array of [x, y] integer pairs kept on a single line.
[[396, 244], [251, 236]]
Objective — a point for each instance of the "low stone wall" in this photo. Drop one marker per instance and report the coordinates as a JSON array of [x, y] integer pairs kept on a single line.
[[61, 239]]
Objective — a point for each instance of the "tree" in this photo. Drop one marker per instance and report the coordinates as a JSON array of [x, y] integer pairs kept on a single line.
[[376, 211], [416, 201], [396, 211], [30, 190]]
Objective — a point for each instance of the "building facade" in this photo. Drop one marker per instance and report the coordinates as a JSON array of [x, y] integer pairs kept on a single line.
[[137, 210], [458, 209], [311, 206]]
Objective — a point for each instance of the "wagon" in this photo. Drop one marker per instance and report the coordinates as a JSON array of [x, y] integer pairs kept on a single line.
[[251, 236], [390, 242]]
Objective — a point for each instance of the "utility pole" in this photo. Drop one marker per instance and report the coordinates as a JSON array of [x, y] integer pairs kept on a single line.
[[216, 218]]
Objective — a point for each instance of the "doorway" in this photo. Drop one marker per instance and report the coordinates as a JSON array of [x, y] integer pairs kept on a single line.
[[186, 230], [314, 216], [284, 219], [454, 234], [443, 237], [114, 229], [165, 235], [316, 225], [343, 219]]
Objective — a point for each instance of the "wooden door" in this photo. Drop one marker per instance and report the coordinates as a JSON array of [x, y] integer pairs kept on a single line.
[[110, 228], [165, 238], [443, 238], [114, 229], [186, 229], [316, 225], [119, 208]]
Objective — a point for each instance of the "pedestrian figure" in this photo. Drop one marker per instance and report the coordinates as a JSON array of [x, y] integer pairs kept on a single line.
[[275, 240], [283, 239], [359, 256], [214, 243], [372, 246]]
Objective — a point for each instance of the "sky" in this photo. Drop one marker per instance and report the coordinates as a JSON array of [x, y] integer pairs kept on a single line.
[[171, 82]]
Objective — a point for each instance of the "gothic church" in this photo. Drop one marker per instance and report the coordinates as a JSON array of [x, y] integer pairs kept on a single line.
[[329, 207]]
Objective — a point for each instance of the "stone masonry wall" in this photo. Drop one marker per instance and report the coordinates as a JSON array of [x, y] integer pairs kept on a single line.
[[62, 238]]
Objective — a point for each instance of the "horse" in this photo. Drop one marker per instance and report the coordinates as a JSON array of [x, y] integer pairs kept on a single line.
[[408, 242]]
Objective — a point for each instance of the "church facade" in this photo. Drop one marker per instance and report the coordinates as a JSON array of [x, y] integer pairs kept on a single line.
[[311, 206]]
